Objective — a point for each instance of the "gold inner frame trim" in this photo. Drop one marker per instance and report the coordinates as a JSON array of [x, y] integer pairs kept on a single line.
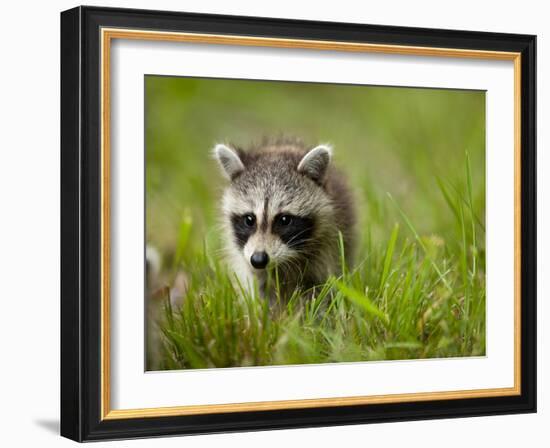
[[107, 35]]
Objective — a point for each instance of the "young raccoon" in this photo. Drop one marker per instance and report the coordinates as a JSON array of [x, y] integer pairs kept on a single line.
[[284, 208]]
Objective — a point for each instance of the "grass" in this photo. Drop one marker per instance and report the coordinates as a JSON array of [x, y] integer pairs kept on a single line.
[[417, 287], [410, 297]]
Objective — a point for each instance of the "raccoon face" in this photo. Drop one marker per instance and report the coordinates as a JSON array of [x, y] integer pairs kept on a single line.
[[275, 208]]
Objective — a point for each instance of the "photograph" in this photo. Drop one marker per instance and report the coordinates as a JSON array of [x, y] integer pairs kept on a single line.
[[291, 223], [279, 224]]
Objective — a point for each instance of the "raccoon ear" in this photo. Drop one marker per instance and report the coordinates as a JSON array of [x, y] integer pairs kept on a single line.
[[315, 163], [229, 160]]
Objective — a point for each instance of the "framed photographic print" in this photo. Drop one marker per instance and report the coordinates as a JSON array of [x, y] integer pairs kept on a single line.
[[275, 224]]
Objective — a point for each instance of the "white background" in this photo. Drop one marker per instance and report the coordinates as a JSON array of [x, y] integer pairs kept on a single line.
[[133, 388], [29, 186]]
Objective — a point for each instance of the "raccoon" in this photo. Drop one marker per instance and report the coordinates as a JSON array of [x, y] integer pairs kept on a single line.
[[283, 209]]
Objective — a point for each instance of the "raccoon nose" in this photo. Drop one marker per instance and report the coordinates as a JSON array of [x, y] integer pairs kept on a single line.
[[259, 260]]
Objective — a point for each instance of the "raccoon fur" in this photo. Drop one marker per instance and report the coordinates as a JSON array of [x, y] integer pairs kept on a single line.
[[283, 209]]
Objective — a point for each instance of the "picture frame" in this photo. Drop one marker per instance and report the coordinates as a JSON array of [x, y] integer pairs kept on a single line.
[[87, 35]]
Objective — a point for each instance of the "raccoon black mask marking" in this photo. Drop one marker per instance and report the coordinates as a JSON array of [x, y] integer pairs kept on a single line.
[[284, 208], [293, 230], [243, 227]]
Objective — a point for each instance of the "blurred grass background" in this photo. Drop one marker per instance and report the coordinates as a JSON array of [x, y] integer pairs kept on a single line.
[[412, 143], [386, 139]]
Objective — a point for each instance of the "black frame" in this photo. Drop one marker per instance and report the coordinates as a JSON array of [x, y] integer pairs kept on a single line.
[[80, 223]]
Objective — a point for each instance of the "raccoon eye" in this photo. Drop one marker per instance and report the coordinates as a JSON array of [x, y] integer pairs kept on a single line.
[[285, 220], [249, 220]]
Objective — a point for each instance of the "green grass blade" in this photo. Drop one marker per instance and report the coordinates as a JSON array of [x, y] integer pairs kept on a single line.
[[447, 197], [342, 253], [184, 232], [419, 240], [471, 204], [362, 301], [388, 257]]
